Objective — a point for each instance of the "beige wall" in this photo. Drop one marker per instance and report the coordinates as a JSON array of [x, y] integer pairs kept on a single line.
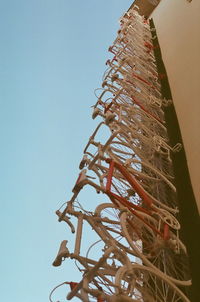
[[178, 28]]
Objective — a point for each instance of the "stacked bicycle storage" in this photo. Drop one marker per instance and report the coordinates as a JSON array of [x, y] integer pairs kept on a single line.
[[142, 258]]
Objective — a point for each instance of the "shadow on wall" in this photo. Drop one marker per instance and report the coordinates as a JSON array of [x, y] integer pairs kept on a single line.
[[145, 7]]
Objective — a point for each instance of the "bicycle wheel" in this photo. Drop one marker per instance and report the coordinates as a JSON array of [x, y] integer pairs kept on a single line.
[[167, 256], [145, 284], [111, 226]]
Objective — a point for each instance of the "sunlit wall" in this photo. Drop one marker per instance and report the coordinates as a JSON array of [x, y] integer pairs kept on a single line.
[[178, 28]]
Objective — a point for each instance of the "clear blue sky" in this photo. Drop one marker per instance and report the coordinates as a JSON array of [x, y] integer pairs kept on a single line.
[[52, 57]]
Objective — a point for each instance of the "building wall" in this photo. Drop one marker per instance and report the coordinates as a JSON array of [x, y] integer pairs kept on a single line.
[[177, 24]]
